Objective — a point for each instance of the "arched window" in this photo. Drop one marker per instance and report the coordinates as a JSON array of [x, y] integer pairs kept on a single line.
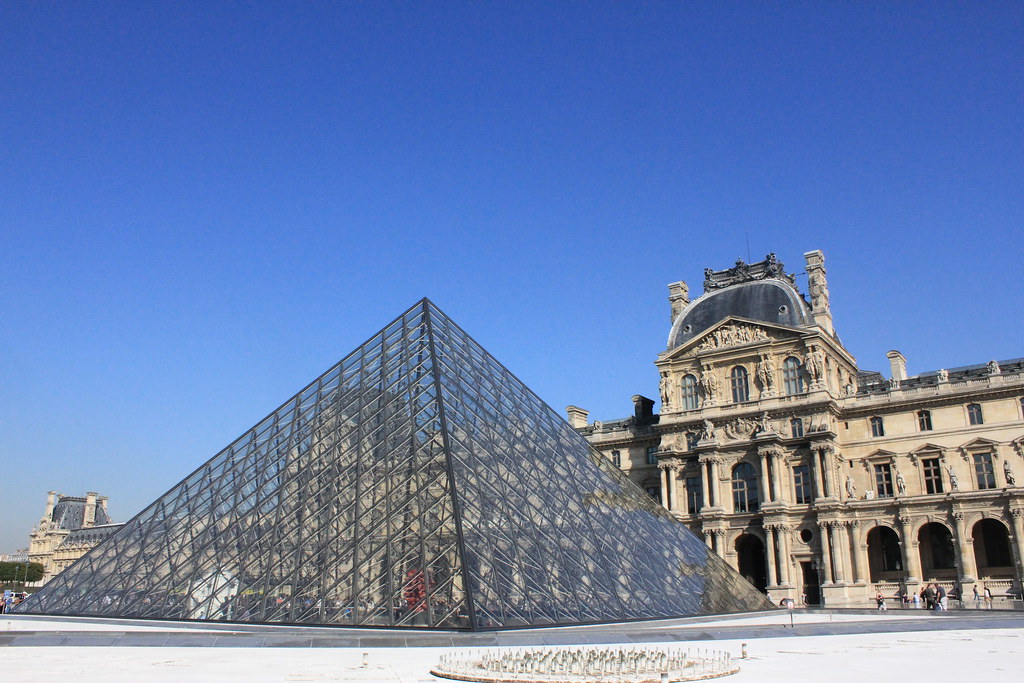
[[877, 426], [796, 427], [744, 488], [791, 376], [740, 385], [689, 392], [974, 416]]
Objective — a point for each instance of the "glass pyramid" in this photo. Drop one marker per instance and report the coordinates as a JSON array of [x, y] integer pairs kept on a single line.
[[417, 483]]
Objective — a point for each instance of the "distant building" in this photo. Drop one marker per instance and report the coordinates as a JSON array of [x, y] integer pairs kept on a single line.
[[813, 478], [69, 528], [20, 555]]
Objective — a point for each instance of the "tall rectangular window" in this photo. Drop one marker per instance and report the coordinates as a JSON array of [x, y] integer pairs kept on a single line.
[[983, 471], [877, 427], [617, 458], [689, 392], [652, 455], [932, 475], [883, 480], [791, 376], [694, 495], [924, 420], [802, 484], [691, 440], [974, 414], [740, 386], [796, 427]]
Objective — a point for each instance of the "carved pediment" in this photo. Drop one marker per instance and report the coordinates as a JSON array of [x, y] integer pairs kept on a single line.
[[734, 332]]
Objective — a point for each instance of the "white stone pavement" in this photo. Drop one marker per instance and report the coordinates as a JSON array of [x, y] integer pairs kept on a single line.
[[988, 656]]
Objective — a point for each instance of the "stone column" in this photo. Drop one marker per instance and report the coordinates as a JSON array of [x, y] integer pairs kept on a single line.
[[911, 557], [664, 485], [769, 537], [705, 485], [827, 474], [766, 496], [816, 475], [673, 500], [826, 551], [714, 485], [720, 542], [782, 535], [775, 462], [853, 527], [1018, 542], [968, 567], [839, 552]]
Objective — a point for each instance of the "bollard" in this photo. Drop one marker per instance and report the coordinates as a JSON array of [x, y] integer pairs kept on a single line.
[[743, 651], [366, 659]]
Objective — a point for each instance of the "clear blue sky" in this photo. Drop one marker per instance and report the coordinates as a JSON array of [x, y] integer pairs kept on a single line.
[[205, 204]]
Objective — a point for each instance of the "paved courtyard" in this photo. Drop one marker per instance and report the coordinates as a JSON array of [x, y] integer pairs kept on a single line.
[[840, 647]]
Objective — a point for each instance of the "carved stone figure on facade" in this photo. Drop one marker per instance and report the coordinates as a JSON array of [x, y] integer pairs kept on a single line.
[[993, 368], [707, 431], [818, 288], [766, 374], [894, 383], [1008, 474], [851, 487], [762, 425], [816, 365], [663, 386], [901, 483], [954, 482], [708, 384], [942, 375]]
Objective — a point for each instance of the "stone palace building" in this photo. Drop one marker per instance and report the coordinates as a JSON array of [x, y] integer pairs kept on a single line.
[[69, 528], [817, 480]]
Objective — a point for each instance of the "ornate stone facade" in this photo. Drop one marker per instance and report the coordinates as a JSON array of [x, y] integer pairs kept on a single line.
[[69, 528], [817, 480]]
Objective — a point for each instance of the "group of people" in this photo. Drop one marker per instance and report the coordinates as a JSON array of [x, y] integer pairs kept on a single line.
[[934, 597]]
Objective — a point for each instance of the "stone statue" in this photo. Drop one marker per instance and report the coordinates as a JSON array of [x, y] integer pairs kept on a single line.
[[664, 389], [1008, 473], [993, 368], [816, 364], [943, 375], [954, 482], [766, 373], [901, 483], [708, 383], [851, 487], [707, 431]]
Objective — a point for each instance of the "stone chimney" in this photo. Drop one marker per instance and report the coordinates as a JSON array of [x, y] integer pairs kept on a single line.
[[678, 298], [577, 417], [643, 410], [898, 365], [90, 509], [817, 287], [51, 497]]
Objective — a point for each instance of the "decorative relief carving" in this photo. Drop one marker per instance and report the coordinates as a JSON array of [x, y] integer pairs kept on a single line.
[[766, 374], [1008, 474], [733, 334]]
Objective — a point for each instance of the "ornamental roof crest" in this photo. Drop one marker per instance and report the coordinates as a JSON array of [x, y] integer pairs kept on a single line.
[[770, 267]]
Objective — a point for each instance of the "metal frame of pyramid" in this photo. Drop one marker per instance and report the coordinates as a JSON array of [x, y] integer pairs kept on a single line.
[[417, 483]]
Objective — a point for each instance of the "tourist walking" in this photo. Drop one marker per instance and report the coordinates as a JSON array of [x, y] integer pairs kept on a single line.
[[941, 598], [988, 596], [880, 601], [977, 595]]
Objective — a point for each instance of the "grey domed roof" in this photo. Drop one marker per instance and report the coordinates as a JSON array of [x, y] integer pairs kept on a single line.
[[771, 301]]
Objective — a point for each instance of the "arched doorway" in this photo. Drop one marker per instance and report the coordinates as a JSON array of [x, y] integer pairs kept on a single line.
[[885, 561], [992, 548], [751, 561], [938, 557]]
